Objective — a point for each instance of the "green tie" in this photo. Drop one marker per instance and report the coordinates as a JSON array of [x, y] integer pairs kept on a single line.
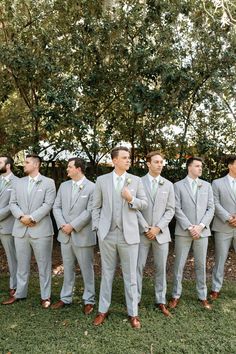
[[194, 187], [154, 188], [31, 185], [2, 183], [74, 190], [118, 184], [234, 187]]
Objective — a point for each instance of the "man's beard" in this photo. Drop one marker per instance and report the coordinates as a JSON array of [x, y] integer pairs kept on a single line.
[[3, 170]]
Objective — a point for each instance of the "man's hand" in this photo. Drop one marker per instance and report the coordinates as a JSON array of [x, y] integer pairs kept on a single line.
[[152, 232], [67, 229], [27, 221], [126, 194], [195, 231], [232, 220]]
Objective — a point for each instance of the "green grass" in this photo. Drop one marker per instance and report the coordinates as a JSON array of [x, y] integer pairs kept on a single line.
[[26, 328]]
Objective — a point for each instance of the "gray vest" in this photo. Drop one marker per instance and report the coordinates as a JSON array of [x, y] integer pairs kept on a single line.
[[117, 204]]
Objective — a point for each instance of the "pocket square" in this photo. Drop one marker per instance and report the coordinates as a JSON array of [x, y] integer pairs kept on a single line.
[[164, 192], [84, 196], [9, 189], [39, 190]]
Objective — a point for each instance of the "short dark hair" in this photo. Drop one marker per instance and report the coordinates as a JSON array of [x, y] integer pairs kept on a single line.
[[35, 157], [115, 151], [9, 161], [78, 163], [191, 159], [230, 159], [153, 153]]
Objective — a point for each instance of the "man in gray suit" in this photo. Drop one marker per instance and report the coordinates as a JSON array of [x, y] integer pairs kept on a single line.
[[117, 197], [72, 211], [194, 210], [31, 201], [7, 181], [154, 228], [224, 223]]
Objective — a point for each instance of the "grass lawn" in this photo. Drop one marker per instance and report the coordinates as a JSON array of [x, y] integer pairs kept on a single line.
[[26, 328]]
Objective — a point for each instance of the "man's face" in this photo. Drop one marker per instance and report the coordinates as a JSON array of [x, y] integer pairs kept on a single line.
[[232, 168], [30, 165], [156, 165], [195, 169], [3, 165], [122, 161], [72, 170]]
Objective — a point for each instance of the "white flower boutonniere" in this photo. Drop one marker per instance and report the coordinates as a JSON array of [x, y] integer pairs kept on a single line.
[[81, 187], [128, 181], [161, 182]]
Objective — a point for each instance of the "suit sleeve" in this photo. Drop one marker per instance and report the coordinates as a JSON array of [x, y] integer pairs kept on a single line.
[[169, 211], [57, 209], [47, 205], [140, 201], [14, 207], [5, 212], [179, 214], [220, 212], [85, 217], [96, 205], [208, 216]]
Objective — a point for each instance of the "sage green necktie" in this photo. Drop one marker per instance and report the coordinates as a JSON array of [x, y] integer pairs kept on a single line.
[[30, 185], [74, 190], [2, 183], [154, 187], [234, 187], [194, 187], [118, 184]]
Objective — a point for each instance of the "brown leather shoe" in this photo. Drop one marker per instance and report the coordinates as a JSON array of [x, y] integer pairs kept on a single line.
[[164, 310], [205, 304], [135, 322], [12, 292], [58, 305], [45, 303], [173, 303], [88, 308], [10, 301], [214, 295], [100, 318]]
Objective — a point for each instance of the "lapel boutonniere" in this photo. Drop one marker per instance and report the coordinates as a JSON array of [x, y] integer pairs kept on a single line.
[[7, 183], [161, 182], [128, 181], [81, 187], [199, 185], [38, 182]]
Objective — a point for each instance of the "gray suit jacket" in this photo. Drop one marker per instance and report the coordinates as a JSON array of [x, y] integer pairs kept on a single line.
[[189, 211], [38, 205], [6, 217], [159, 211], [77, 214], [102, 207], [225, 205]]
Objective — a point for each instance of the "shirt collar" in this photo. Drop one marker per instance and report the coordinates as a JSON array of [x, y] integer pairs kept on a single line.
[[78, 182], [231, 179], [151, 178], [34, 178], [190, 180], [7, 178], [115, 176]]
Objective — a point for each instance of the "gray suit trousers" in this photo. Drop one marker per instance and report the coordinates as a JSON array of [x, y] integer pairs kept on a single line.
[[84, 256], [42, 248], [182, 248], [223, 242], [9, 247], [113, 245], [160, 254]]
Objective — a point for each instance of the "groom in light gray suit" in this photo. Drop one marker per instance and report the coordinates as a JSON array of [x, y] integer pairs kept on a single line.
[[224, 223], [194, 210], [31, 201], [72, 211], [154, 228], [117, 197], [7, 181]]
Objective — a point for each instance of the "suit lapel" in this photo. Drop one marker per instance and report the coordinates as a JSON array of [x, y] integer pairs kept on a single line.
[[81, 187], [110, 188], [187, 186], [228, 187]]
